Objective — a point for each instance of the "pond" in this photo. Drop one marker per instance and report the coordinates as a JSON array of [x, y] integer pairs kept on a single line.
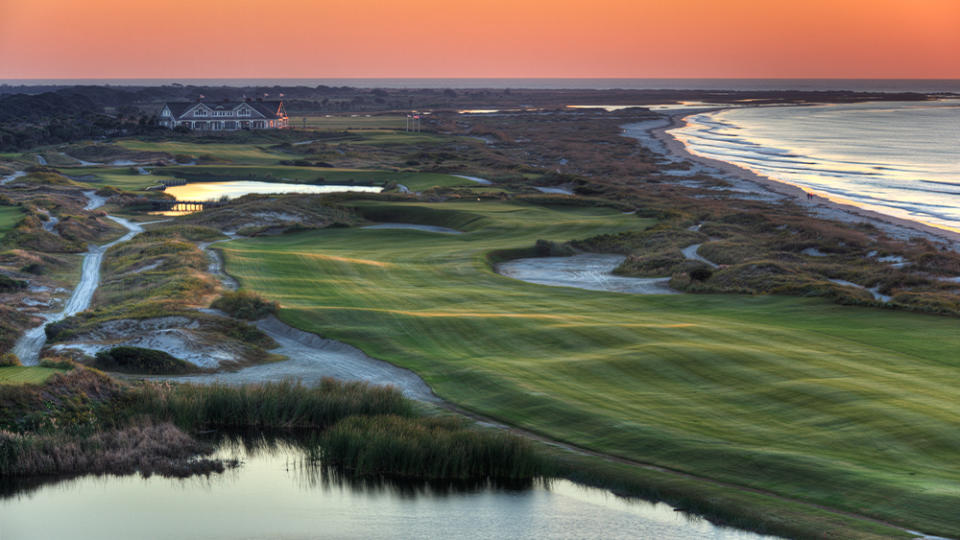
[[215, 191], [276, 493]]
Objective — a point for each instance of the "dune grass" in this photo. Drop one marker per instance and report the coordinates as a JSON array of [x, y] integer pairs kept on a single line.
[[848, 407]]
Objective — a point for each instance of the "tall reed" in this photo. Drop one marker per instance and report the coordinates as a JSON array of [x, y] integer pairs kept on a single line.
[[427, 448], [269, 405]]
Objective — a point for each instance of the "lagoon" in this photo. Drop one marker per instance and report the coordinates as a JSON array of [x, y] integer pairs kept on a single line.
[[277, 493]]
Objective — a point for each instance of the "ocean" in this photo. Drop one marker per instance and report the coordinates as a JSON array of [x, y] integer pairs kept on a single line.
[[897, 158]]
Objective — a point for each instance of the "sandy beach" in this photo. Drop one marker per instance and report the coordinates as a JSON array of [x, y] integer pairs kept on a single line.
[[818, 206]]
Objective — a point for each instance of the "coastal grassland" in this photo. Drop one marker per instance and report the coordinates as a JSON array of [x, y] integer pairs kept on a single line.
[[843, 406]]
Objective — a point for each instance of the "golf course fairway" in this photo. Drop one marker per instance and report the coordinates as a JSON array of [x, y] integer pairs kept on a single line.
[[853, 408]]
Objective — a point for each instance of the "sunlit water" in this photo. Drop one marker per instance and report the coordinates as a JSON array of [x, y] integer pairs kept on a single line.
[[217, 191], [274, 494], [897, 158], [212, 191]]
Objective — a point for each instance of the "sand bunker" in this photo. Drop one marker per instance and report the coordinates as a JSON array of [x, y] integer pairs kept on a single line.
[[311, 358], [591, 271], [478, 180]]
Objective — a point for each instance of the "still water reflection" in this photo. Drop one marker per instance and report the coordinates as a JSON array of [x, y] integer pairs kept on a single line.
[[277, 494]]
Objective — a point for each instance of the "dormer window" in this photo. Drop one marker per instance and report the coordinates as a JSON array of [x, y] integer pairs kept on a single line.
[[244, 111], [200, 112]]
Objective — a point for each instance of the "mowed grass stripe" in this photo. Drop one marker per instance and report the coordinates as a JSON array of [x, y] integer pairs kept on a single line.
[[846, 406]]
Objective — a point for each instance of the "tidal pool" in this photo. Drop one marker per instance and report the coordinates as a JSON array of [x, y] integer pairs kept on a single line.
[[278, 494]]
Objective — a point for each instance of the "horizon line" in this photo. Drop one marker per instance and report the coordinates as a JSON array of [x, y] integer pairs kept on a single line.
[[489, 78]]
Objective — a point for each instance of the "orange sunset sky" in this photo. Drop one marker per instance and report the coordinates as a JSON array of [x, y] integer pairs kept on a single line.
[[479, 38]]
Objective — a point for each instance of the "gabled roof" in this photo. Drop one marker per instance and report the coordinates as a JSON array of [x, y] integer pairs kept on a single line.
[[269, 109], [177, 109]]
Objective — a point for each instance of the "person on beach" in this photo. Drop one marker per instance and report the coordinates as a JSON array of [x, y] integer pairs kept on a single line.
[[809, 196]]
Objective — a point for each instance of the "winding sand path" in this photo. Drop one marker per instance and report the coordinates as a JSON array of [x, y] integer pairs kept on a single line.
[[690, 252], [12, 177], [29, 345]]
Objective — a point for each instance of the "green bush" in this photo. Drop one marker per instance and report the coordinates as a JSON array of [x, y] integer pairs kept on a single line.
[[57, 363], [701, 274], [9, 360], [546, 248], [244, 305], [36, 269]]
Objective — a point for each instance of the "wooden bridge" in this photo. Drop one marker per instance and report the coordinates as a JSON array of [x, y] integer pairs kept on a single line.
[[168, 205]]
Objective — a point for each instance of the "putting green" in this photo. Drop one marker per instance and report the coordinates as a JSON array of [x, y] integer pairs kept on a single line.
[[26, 374], [10, 216], [854, 408]]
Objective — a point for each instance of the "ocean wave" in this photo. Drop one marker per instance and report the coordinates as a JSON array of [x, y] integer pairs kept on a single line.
[[899, 158]]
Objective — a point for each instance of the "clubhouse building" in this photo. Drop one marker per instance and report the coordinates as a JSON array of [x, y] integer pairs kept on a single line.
[[225, 115]]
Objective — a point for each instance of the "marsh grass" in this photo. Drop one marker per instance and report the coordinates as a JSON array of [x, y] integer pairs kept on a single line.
[[146, 448], [428, 448], [269, 405]]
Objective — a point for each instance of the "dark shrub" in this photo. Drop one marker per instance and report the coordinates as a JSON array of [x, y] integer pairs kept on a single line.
[[546, 248], [141, 361], [244, 305], [8, 284], [701, 274], [34, 268]]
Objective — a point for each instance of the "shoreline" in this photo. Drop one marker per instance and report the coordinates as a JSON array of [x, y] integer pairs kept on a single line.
[[818, 206]]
